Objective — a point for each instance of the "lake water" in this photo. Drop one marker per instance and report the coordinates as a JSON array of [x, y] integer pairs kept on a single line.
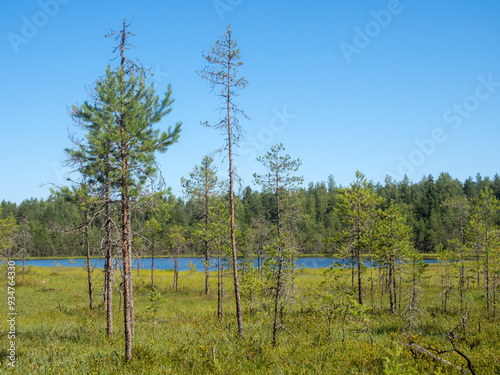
[[168, 263]]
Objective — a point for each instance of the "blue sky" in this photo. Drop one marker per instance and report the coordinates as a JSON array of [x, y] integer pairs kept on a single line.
[[385, 87]]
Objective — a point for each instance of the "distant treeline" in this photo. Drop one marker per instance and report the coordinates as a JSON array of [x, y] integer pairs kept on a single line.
[[54, 222]]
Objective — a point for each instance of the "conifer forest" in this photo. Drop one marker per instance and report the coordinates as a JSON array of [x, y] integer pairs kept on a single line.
[[412, 286]]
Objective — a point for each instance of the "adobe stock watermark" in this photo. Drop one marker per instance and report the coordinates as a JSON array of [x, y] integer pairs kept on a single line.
[[59, 172], [159, 75], [223, 6], [254, 146], [32, 25], [454, 116], [364, 36], [12, 312]]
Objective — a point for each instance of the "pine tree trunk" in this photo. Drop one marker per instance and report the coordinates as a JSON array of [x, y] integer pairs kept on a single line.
[[400, 289], [239, 315], [127, 314], [487, 272], [442, 290], [207, 247], [277, 297], [259, 266], [176, 272], [153, 269], [392, 298], [461, 282], [128, 303], [358, 250], [478, 269], [24, 252], [353, 257], [495, 297], [446, 291], [394, 287], [128, 292], [382, 284], [108, 267], [219, 287], [105, 271], [120, 289], [413, 299], [360, 292], [371, 286], [462, 263], [280, 264], [130, 280], [89, 273]]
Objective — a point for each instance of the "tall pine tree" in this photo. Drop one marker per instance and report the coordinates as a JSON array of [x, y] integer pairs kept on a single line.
[[222, 71], [119, 122]]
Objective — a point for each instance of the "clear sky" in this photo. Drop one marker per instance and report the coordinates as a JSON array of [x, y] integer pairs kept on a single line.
[[384, 87]]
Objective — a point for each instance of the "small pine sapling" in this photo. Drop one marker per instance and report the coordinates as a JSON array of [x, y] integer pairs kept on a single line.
[[155, 302], [329, 297]]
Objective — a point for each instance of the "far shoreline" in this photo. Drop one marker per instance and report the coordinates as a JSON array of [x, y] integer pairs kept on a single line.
[[429, 256]]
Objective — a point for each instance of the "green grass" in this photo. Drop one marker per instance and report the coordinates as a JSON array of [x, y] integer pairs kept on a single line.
[[56, 333]]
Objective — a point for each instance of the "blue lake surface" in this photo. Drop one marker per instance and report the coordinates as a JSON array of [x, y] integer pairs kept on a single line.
[[168, 263]]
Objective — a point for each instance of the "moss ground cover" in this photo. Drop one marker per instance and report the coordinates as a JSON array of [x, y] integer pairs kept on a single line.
[[56, 333]]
